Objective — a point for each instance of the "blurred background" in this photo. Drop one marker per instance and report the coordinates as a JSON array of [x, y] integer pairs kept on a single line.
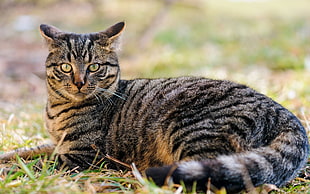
[[262, 43]]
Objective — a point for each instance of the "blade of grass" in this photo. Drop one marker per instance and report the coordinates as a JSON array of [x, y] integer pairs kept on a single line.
[[25, 168]]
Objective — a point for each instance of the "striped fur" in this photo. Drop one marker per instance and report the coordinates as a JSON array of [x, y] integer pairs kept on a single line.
[[27, 153], [203, 128]]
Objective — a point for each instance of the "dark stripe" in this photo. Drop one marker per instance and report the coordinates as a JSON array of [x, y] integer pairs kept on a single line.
[[59, 104], [69, 44], [232, 107], [107, 83], [90, 57], [217, 139], [52, 65], [110, 64], [273, 117], [76, 135], [86, 104], [156, 90], [159, 88], [163, 88], [51, 77], [89, 49], [58, 74], [69, 57], [53, 89], [136, 101], [72, 108], [110, 76], [102, 72], [84, 54], [49, 116], [129, 90], [181, 137], [81, 131], [73, 122], [78, 114], [227, 93], [225, 117], [74, 54], [187, 118], [206, 151], [89, 46], [249, 123]]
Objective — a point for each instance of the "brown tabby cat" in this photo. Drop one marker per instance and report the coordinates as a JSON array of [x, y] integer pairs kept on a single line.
[[188, 129]]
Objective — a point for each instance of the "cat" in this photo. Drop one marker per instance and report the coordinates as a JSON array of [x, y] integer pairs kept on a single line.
[[184, 129]]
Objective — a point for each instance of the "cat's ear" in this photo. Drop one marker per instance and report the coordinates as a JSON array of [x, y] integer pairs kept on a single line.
[[114, 31], [111, 36], [50, 33]]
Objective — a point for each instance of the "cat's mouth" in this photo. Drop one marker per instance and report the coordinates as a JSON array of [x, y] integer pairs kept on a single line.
[[80, 95]]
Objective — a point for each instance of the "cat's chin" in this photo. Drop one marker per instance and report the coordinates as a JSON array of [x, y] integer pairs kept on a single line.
[[79, 96]]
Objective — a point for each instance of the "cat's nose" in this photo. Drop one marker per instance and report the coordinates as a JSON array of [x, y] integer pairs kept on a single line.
[[79, 85]]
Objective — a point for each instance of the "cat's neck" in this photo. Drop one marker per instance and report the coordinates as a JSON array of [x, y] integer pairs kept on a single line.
[[59, 115]]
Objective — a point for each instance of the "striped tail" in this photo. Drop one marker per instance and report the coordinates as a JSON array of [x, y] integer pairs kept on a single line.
[[274, 164], [27, 153]]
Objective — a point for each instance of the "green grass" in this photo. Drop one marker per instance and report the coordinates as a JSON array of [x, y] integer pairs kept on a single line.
[[261, 44]]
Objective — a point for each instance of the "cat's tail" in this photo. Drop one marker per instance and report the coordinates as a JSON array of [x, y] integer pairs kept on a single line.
[[27, 153], [275, 164]]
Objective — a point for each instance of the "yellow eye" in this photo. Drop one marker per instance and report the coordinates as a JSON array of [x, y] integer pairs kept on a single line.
[[65, 67], [93, 67]]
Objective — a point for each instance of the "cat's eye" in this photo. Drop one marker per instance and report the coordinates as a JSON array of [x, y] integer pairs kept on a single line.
[[65, 67], [93, 67]]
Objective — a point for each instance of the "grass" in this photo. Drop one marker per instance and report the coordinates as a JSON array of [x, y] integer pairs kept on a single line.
[[261, 44]]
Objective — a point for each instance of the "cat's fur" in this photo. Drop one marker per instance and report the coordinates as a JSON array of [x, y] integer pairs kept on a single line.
[[187, 129]]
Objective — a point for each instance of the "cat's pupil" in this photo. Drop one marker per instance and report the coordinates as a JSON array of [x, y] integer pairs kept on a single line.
[[93, 67], [65, 67]]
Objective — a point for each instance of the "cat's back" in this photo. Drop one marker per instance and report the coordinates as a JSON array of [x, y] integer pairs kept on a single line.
[[192, 95], [179, 90]]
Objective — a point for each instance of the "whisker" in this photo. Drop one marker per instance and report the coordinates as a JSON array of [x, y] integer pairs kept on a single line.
[[121, 94], [99, 99], [117, 94], [109, 99]]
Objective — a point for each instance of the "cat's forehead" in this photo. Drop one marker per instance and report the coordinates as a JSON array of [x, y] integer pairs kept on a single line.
[[76, 37]]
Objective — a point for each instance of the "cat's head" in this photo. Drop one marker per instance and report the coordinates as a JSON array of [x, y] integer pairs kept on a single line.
[[80, 66]]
